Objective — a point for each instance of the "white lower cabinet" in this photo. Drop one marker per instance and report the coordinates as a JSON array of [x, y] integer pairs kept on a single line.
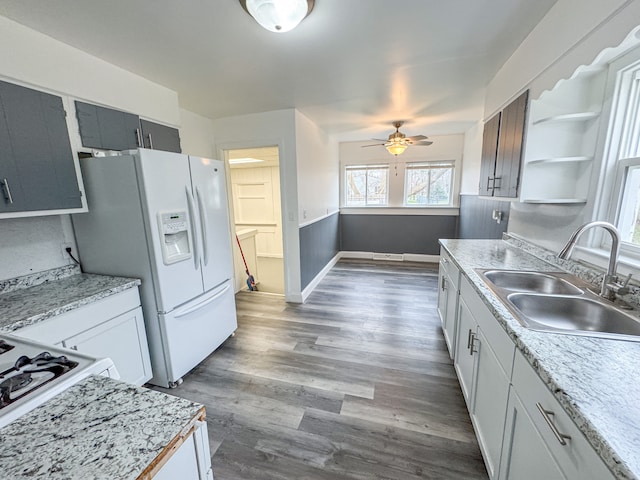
[[523, 432], [192, 460], [448, 281], [483, 363], [120, 339], [540, 440], [111, 327]]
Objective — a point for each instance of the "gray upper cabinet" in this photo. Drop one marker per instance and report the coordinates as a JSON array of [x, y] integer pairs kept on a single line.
[[106, 128], [37, 169], [160, 137], [109, 129], [489, 154], [502, 146]]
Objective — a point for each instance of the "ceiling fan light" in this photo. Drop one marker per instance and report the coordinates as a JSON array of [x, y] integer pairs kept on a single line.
[[278, 15], [396, 148]]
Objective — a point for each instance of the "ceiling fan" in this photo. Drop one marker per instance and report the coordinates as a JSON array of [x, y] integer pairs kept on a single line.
[[398, 142]]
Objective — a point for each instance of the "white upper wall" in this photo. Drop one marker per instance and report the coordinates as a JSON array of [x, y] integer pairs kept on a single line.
[[317, 170], [566, 26], [196, 135], [38, 60]]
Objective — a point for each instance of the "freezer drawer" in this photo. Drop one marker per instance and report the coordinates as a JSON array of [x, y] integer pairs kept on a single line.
[[195, 329]]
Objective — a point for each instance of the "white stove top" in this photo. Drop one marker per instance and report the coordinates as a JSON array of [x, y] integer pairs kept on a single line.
[[32, 373]]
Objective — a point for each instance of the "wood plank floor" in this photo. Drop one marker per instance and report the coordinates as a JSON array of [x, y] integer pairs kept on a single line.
[[354, 384]]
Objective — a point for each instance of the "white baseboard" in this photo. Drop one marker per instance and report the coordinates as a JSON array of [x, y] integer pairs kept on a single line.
[[406, 257], [318, 278]]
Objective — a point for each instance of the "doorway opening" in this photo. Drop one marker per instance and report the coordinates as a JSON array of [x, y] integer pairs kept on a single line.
[[257, 217]]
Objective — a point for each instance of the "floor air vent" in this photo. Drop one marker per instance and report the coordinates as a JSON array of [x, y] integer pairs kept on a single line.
[[398, 257]]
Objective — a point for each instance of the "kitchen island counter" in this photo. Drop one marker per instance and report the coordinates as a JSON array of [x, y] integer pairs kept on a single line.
[[31, 299], [99, 428], [594, 379]]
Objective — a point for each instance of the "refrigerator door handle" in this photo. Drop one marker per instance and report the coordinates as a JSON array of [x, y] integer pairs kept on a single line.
[[192, 308], [194, 236], [204, 226]]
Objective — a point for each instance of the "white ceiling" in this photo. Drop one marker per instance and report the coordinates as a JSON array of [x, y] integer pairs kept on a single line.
[[352, 66]]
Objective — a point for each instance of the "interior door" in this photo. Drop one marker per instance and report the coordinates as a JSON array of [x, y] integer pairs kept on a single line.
[[167, 190], [210, 192]]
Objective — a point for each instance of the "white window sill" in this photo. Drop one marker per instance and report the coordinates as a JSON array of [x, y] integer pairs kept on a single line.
[[375, 210]]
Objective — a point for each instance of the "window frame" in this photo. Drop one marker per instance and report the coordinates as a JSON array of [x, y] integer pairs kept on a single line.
[[429, 165], [624, 78]]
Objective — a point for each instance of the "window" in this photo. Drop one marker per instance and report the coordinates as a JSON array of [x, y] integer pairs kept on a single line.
[[625, 154], [366, 185], [428, 183]]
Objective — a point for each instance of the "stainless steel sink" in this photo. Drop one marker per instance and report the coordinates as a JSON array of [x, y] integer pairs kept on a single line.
[[538, 282], [570, 314], [559, 302]]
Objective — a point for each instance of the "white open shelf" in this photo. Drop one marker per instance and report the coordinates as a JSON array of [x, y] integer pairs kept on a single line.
[[568, 117], [555, 200], [576, 159]]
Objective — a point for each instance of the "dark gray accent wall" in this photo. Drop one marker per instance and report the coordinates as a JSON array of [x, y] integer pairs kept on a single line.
[[475, 217], [319, 243], [417, 234]]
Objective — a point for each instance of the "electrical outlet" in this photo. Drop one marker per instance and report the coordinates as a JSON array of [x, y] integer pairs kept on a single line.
[[63, 249]]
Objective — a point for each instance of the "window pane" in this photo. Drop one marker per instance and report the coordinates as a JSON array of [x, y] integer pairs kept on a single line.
[[629, 223], [356, 187], [366, 185], [428, 185], [440, 186], [377, 186]]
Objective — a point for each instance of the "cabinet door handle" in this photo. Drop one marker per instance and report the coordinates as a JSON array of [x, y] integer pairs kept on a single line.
[[497, 187], [469, 339], [150, 142], [7, 190], [139, 138], [472, 346], [444, 283], [488, 180], [547, 414]]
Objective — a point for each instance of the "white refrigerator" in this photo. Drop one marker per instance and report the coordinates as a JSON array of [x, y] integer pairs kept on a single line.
[[163, 217]]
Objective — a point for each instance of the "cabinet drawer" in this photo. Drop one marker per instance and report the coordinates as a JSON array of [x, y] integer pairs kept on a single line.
[[576, 458], [501, 344], [446, 263], [56, 329]]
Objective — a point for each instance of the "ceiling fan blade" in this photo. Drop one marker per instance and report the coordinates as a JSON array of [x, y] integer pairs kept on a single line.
[[417, 138], [380, 139], [423, 143], [374, 145]]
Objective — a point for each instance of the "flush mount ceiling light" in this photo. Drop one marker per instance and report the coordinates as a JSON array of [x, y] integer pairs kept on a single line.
[[278, 15]]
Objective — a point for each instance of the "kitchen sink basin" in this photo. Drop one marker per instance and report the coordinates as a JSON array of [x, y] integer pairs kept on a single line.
[[559, 302], [537, 282], [572, 314]]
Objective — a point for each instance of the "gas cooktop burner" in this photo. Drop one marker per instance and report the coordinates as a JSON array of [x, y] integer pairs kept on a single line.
[[5, 347], [30, 373]]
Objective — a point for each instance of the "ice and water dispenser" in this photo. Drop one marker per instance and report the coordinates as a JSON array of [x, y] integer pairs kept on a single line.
[[174, 231]]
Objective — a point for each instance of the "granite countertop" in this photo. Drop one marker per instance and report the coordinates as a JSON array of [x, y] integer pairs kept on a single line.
[[99, 428], [597, 381], [32, 299]]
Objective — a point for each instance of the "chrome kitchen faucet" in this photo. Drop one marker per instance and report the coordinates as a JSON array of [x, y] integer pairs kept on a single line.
[[610, 286]]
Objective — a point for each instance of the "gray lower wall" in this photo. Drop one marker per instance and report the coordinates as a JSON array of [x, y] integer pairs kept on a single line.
[[475, 217], [319, 243], [416, 234]]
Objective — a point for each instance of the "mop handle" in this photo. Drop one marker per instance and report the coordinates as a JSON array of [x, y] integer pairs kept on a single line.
[[242, 253]]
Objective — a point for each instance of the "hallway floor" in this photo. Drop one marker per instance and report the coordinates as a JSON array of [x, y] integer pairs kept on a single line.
[[354, 384]]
